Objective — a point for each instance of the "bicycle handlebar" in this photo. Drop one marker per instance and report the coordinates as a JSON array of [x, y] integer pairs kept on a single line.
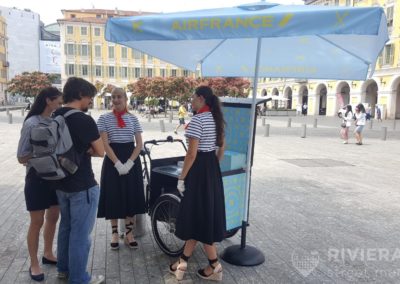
[[169, 139]]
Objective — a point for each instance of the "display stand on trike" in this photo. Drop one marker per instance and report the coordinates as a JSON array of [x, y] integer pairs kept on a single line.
[[162, 196]]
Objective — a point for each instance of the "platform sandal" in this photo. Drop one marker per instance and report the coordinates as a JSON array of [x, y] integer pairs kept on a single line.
[[180, 269], [114, 245], [129, 228], [216, 275]]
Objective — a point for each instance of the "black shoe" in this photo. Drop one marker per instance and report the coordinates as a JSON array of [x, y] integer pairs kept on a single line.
[[38, 278], [48, 261]]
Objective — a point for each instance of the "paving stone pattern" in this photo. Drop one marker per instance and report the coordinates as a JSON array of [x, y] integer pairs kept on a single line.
[[320, 211]]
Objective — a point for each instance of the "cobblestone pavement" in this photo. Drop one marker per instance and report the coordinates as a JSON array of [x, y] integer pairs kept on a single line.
[[320, 211]]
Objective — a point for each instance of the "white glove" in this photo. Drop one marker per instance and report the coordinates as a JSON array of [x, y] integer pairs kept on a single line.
[[181, 186], [128, 165], [120, 168]]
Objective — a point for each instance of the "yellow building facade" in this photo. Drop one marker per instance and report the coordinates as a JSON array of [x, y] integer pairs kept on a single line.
[[326, 97], [86, 54], [3, 60]]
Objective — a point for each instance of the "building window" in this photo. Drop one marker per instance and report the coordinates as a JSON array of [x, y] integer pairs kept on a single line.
[[83, 30], [111, 52], [389, 52], [389, 16], [73, 16], [149, 59], [162, 73], [124, 72], [98, 71], [137, 72], [70, 30], [348, 2], [69, 49], [137, 56], [111, 71], [185, 73], [85, 70], [98, 16], [84, 50], [149, 72], [124, 52], [70, 69], [97, 51], [97, 31], [173, 73]]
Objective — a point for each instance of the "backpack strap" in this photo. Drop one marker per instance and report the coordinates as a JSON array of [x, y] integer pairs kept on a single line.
[[71, 111]]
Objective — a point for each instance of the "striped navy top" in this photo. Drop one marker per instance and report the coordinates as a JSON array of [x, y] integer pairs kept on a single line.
[[108, 123], [202, 127]]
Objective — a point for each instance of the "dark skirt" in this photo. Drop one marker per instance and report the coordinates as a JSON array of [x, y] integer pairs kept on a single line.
[[39, 195], [121, 196], [202, 210]]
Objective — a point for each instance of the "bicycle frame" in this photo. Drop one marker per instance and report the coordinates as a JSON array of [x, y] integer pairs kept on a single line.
[[148, 165]]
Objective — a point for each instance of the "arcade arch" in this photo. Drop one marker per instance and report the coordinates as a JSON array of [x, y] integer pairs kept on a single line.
[[321, 99]]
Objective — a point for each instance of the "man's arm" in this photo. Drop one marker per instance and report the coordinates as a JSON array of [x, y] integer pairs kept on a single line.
[[97, 148]]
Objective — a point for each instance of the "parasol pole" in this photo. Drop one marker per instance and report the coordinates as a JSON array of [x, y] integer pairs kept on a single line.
[[243, 255]]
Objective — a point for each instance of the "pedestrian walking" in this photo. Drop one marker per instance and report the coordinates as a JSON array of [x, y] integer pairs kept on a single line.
[[346, 123], [181, 116], [360, 122]]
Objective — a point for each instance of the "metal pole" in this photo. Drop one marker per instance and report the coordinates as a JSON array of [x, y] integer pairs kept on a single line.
[[162, 126], [170, 117], [394, 124], [7, 111], [22, 112], [149, 118], [315, 123], [263, 121], [266, 133], [384, 133], [371, 124], [303, 130], [10, 120], [289, 122]]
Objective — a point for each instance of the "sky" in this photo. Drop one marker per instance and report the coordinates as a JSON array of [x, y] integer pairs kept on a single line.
[[50, 11]]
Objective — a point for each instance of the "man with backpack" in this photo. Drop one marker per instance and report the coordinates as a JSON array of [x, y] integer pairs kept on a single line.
[[78, 193]]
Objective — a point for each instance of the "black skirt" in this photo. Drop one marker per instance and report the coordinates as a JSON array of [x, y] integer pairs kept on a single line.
[[39, 195], [202, 210], [121, 196]]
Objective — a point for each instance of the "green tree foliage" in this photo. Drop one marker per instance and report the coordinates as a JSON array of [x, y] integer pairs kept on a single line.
[[29, 84]]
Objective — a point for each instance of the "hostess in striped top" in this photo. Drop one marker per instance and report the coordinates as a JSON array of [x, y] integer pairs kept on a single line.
[[108, 123], [202, 127]]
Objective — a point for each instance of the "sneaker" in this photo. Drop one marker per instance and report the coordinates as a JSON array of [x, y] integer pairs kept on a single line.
[[97, 279], [62, 275]]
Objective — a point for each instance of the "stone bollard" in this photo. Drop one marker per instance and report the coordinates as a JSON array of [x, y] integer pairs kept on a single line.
[[289, 122], [266, 132], [384, 133], [394, 124], [371, 124], [22, 112], [303, 130], [162, 126], [315, 123], [149, 118], [10, 118], [263, 121], [171, 116]]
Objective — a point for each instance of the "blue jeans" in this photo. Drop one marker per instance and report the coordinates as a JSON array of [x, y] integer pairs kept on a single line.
[[78, 215]]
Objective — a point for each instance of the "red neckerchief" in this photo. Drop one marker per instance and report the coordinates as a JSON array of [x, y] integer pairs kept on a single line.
[[205, 108], [118, 115]]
